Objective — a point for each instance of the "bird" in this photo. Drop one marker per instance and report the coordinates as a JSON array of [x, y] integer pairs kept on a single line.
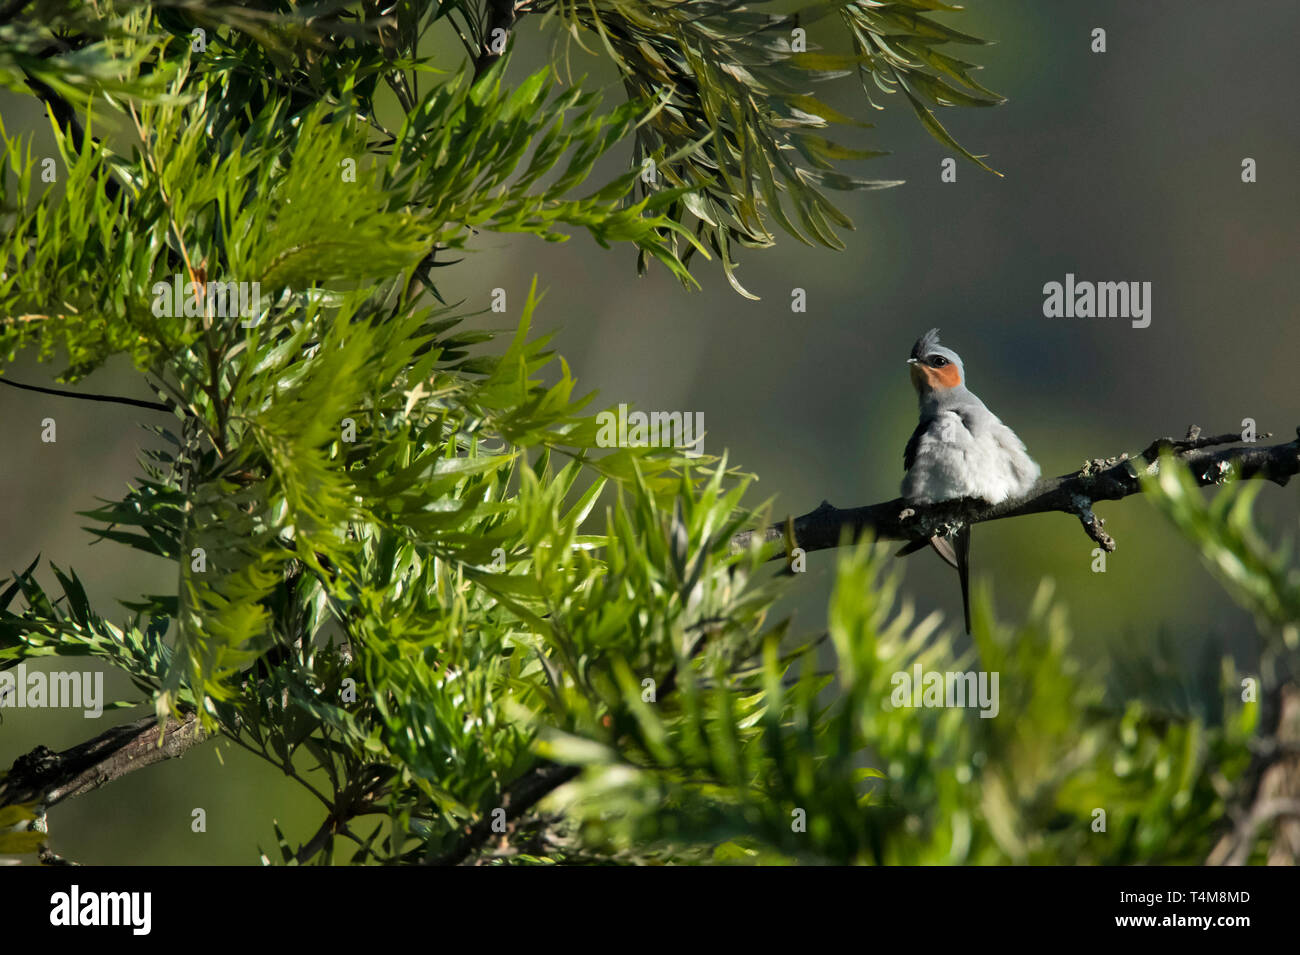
[[959, 449]]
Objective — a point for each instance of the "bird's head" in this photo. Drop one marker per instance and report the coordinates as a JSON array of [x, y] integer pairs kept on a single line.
[[934, 368]]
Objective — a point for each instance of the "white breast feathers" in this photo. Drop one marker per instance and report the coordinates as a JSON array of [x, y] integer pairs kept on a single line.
[[969, 456]]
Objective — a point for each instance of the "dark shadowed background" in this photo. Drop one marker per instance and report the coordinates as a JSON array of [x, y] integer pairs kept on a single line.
[[1122, 166]]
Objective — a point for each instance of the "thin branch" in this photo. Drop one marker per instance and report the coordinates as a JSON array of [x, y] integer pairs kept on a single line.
[[464, 40], [146, 155], [199, 280], [1109, 479], [358, 799], [385, 27], [48, 856], [115, 399], [286, 768]]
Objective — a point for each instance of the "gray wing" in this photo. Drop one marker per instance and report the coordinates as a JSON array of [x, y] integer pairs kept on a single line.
[[913, 443]]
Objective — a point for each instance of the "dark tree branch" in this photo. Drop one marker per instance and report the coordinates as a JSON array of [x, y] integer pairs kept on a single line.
[[1108, 479], [49, 778], [135, 402], [502, 15]]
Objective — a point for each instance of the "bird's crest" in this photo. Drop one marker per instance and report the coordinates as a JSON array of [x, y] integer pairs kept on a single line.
[[925, 344]]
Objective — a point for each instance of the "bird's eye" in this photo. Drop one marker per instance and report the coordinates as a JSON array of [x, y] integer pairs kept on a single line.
[[938, 361]]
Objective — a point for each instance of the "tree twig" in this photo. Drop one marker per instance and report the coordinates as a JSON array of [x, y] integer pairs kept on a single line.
[[115, 399]]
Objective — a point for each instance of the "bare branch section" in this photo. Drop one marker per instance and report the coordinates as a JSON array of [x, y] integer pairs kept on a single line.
[[49, 778], [1101, 479]]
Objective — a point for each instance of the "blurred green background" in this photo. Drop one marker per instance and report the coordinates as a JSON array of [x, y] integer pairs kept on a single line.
[[1122, 166]]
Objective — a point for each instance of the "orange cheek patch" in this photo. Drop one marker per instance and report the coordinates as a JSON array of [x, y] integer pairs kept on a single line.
[[946, 377]]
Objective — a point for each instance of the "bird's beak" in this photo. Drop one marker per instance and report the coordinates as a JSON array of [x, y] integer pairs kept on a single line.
[[918, 373]]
